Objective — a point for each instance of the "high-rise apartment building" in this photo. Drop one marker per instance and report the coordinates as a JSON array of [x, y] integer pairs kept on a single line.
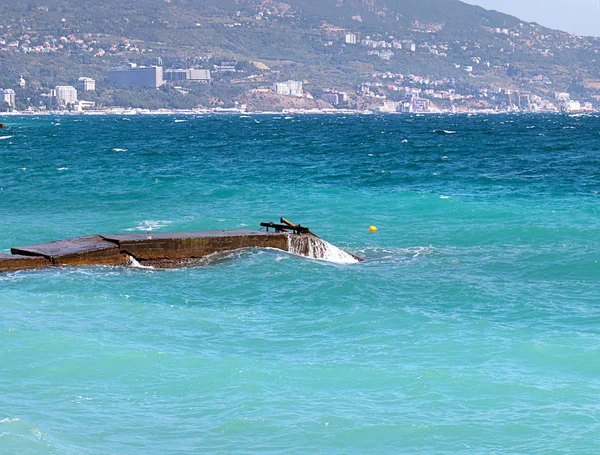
[[136, 76], [65, 95]]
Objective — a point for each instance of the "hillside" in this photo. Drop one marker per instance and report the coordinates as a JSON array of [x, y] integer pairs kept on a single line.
[[53, 42]]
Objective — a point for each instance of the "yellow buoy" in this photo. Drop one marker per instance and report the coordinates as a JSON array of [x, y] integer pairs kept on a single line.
[[372, 229]]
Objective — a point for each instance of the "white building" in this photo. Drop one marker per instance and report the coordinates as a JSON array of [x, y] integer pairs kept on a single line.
[[293, 88], [192, 75], [8, 96], [572, 106], [86, 84], [352, 38], [65, 94]]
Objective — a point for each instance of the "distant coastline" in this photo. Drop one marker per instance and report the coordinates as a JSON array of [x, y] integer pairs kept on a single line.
[[233, 111]]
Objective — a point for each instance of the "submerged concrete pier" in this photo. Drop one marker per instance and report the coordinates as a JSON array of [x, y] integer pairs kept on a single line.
[[10, 262], [87, 250], [170, 249], [164, 249]]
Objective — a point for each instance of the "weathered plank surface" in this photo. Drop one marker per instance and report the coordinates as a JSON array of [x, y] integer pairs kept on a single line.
[[195, 244], [12, 262], [87, 250]]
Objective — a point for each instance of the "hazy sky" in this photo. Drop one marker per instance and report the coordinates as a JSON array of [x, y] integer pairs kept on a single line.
[[581, 17]]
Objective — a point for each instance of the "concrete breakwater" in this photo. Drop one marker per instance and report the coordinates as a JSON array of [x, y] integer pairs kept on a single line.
[[161, 250]]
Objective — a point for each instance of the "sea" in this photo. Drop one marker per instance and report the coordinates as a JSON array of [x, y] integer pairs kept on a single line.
[[472, 325]]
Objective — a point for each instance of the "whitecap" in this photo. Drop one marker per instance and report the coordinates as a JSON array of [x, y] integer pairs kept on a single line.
[[62, 168], [149, 225], [119, 150], [394, 254], [10, 420], [445, 197], [179, 121], [5, 137]]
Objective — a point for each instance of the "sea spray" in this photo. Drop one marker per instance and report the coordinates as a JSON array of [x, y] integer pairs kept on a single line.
[[316, 248], [133, 262]]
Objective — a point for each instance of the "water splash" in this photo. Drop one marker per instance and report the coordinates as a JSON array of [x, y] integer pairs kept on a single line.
[[316, 248], [133, 262]]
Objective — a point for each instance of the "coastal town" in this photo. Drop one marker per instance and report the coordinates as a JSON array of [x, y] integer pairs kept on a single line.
[[456, 76], [407, 94]]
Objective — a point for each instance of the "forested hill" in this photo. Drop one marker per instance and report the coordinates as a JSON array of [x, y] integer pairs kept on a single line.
[[165, 20], [54, 41]]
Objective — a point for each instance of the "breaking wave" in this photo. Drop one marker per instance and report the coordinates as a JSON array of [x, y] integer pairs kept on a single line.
[[313, 247]]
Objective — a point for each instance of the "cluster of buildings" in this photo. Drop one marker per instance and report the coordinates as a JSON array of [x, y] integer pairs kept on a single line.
[[380, 47], [414, 93], [133, 75], [566, 104], [65, 96], [412, 105], [27, 42], [291, 88]]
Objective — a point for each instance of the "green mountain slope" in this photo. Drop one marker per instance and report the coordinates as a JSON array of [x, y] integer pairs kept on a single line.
[[303, 39]]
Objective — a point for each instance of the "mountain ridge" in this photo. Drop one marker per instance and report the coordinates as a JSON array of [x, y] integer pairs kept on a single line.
[[301, 39]]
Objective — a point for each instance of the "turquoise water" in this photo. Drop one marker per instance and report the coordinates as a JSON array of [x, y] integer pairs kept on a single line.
[[472, 326]]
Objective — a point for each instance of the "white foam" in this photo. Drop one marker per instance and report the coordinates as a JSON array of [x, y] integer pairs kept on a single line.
[[119, 150], [150, 225], [5, 137], [10, 420], [316, 248], [133, 262]]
